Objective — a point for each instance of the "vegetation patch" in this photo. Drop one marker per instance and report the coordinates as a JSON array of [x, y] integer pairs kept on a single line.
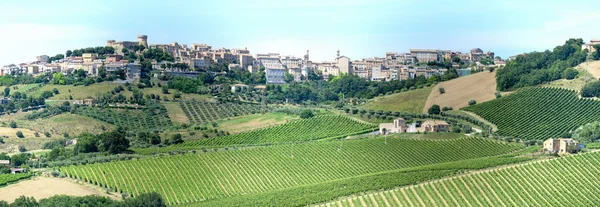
[[316, 128], [411, 101], [206, 112]]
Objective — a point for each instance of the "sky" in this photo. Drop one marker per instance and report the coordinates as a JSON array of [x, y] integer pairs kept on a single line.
[[358, 28]]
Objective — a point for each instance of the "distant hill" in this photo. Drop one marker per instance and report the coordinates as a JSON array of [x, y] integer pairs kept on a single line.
[[458, 92]]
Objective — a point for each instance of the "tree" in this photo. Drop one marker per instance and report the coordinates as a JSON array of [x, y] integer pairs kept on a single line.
[[113, 142], [55, 90], [587, 133], [6, 92], [124, 51], [442, 90], [570, 74], [86, 143], [152, 199], [176, 139], [69, 53], [472, 102], [306, 114], [20, 134], [435, 109], [165, 89], [288, 77], [13, 124]]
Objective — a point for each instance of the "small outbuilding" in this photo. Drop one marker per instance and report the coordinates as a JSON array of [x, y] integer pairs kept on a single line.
[[18, 170], [4, 162]]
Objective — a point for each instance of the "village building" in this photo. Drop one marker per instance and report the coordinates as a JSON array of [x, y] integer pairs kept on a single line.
[[561, 145], [239, 88], [87, 102], [5, 163]]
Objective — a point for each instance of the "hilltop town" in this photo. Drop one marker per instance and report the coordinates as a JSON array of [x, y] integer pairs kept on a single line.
[[184, 60]]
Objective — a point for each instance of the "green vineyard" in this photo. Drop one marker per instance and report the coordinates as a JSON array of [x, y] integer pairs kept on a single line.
[[319, 127], [9, 178], [567, 181], [155, 117], [538, 113], [205, 112], [201, 177]]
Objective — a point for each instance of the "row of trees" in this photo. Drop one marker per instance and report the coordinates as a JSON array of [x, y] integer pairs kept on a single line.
[[143, 200]]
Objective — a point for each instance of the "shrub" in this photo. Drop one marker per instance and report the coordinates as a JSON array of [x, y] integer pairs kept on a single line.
[[13, 124], [435, 109], [442, 90], [498, 94], [20, 134], [306, 114], [47, 134], [472, 102], [22, 148], [570, 74], [446, 108]]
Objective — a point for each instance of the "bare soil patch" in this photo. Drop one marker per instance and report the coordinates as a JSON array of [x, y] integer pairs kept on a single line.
[[480, 87], [44, 187], [592, 67]]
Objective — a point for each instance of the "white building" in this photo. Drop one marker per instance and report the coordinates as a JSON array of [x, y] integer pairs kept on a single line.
[[274, 70]]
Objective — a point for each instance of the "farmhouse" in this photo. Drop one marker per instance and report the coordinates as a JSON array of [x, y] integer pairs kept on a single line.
[[561, 145], [435, 126], [17, 170], [398, 126]]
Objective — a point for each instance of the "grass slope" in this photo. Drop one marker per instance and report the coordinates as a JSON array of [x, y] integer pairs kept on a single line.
[[200, 177], [550, 183], [538, 113], [410, 101], [479, 87], [255, 121]]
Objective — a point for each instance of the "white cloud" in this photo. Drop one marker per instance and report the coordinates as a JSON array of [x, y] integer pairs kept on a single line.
[[22, 42]]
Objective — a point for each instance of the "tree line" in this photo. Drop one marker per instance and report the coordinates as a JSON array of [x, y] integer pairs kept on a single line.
[[540, 67]]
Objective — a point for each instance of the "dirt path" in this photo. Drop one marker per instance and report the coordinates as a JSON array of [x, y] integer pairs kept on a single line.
[[44, 187]]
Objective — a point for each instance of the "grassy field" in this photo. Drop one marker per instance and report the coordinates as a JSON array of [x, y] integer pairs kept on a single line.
[[548, 183], [255, 121], [21, 88], [82, 92], [458, 92], [576, 84], [410, 101], [44, 187], [538, 113], [255, 171], [176, 113], [57, 126]]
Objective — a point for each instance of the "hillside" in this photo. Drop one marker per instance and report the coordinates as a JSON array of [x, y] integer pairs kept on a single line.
[[409, 101], [538, 113], [593, 67], [567, 181], [458, 92], [259, 171]]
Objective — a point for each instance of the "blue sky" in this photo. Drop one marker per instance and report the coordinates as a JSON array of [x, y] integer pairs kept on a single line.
[[359, 28]]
